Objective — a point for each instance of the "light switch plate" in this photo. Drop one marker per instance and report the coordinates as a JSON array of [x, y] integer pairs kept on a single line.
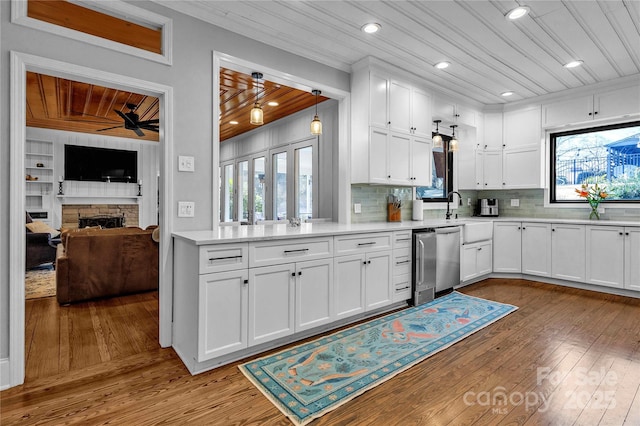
[[186, 208], [515, 202], [186, 163], [357, 208]]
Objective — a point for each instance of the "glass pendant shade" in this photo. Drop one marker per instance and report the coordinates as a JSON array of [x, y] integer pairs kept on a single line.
[[316, 126], [437, 141], [257, 115], [453, 145]]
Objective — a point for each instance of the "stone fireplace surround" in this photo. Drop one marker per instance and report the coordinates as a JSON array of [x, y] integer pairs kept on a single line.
[[71, 213]]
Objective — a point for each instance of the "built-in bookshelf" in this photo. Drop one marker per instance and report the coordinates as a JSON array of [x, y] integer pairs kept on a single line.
[[39, 179]]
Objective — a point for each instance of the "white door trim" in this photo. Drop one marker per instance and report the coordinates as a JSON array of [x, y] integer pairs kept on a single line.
[[20, 64]]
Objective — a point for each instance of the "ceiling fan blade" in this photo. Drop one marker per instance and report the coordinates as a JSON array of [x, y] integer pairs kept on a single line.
[[152, 128], [125, 118], [154, 121], [138, 131], [109, 128]]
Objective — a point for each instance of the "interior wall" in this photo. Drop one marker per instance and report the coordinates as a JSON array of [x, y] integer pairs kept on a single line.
[[190, 75]]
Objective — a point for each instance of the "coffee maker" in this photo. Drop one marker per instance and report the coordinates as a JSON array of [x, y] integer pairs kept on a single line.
[[488, 207]]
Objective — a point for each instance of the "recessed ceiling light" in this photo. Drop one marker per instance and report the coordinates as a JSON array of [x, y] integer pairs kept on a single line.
[[573, 64], [517, 13], [507, 93], [442, 65], [234, 122], [273, 103], [371, 27]]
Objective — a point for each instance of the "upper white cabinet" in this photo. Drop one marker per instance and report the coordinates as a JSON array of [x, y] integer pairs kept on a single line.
[[492, 131], [391, 130], [596, 106], [452, 113]]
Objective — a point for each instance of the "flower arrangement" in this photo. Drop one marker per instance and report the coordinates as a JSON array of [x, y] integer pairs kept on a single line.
[[594, 195]]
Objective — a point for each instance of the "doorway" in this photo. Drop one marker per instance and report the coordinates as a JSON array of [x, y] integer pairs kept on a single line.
[[20, 64]]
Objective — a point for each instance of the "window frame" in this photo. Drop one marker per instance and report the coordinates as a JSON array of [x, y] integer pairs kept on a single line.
[[449, 175], [552, 135]]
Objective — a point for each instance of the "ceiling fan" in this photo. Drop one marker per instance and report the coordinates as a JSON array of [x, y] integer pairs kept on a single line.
[[131, 121]]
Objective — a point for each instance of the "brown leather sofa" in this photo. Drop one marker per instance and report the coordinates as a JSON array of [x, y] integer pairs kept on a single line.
[[95, 263]]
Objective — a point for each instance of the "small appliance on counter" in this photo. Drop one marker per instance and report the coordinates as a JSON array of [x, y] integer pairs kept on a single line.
[[487, 207]]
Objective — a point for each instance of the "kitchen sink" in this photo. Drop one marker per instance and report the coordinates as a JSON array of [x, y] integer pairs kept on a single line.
[[477, 231]]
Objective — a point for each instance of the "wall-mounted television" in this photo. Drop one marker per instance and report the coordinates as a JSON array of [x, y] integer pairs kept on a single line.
[[86, 163]]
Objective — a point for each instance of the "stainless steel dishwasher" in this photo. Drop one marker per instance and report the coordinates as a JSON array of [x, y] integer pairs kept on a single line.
[[436, 262]]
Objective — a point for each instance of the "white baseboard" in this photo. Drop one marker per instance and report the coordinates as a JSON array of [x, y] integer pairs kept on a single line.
[[5, 374]]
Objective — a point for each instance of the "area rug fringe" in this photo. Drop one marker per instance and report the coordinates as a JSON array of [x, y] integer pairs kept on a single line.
[[298, 421]]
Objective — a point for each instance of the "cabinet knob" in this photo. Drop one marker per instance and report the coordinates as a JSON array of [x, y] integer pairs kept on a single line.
[[479, 248], [246, 281], [485, 184], [369, 262], [388, 123], [293, 274], [553, 229], [590, 114], [519, 227], [299, 272], [626, 233], [595, 113], [364, 263], [621, 233], [524, 227], [504, 145], [389, 177]]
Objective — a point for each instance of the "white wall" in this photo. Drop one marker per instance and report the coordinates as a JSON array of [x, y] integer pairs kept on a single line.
[[191, 79]]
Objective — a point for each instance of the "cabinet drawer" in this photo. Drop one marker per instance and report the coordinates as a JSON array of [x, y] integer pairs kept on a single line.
[[223, 257], [401, 287], [360, 243], [401, 261], [285, 251], [401, 239]]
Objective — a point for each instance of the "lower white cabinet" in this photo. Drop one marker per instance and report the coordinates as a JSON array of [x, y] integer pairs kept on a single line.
[[271, 302], [568, 251], [507, 254], [613, 256], [349, 280], [378, 282], [314, 294], [536, 248], [223, 303], [476, 260]]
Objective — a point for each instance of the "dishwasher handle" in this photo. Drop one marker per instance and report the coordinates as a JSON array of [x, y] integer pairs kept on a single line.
[[421, 256], [448, 230]]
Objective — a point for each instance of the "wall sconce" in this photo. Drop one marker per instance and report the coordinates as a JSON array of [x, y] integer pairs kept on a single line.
[[316, 124], [140, 188], [257, 115], [437, 139], [60, 182]]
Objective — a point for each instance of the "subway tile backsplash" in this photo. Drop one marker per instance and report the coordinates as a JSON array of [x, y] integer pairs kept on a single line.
[[373, 199]]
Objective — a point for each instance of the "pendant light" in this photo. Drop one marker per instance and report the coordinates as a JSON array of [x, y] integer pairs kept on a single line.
[[316, 124], [453, 143], [257, 115], [437, 139]]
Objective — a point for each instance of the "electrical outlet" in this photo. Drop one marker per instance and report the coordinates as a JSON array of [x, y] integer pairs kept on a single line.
[[186, 163], [357, 208], [515, 202], [186, 208]]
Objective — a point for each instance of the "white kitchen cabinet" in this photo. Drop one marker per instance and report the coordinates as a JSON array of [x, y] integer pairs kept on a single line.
[[378, 280], [399, 107], [377, 169], [421, 161], [349, 284], [399, 159], [492, 131], [421, 113], [536, 249], [452, 113], [605, 255], [597, 106], [314, 294], [271, 302], [402, 261], [223, 304], [378, 91], [522, 167], [476, 260], [507, 254], [568, 252], [522, 128], [632, 258], [490, 162]]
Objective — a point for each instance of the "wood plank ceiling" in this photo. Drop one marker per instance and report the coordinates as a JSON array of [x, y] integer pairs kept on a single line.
[[489, 55], [60, 104]]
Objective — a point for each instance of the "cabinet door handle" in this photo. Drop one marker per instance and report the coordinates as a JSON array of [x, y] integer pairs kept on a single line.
[[296, 251], [479, 248], [402, 288], [403, 239], [213, 259], [367, 244], [403, 262]]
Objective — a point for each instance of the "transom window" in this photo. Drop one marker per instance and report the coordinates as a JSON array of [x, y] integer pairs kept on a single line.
[[606, 155]]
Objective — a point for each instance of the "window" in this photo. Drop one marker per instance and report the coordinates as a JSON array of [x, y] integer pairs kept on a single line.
[[441, 174], [280, 186], [258, 188], [304, 182], [607, 155], [227, 193], [243, 191]]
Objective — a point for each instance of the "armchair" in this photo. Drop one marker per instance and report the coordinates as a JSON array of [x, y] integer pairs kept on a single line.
[[40, 247]]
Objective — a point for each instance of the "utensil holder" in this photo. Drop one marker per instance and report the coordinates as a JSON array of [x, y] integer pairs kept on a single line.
[[394, 213]]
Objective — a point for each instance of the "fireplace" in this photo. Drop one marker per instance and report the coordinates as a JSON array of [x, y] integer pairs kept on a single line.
[[105, 215]]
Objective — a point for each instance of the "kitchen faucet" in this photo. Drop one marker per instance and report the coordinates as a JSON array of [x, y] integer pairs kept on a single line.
[[448, 214]]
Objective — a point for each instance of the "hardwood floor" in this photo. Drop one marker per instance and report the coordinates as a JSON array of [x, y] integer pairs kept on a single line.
[[566, 356]]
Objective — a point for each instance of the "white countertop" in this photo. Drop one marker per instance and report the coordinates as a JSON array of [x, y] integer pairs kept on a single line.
[[231, 234]]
